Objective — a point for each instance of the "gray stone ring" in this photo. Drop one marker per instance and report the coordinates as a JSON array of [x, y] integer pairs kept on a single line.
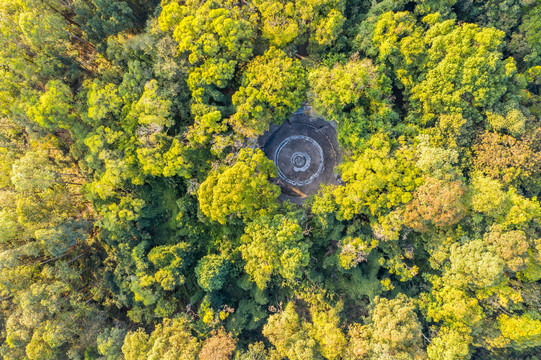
[[299, 159]]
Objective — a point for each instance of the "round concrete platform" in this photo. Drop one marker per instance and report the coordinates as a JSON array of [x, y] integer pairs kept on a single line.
[[304, 148]]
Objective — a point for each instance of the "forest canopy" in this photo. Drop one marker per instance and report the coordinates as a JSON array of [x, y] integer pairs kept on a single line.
[[138, 220]]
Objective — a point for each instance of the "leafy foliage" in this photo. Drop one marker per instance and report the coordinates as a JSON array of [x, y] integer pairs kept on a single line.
[[243, 190], [274, 245], [264, 98], [139, 219]]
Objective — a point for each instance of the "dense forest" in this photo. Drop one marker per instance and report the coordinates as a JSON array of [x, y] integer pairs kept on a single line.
[[138, 221]]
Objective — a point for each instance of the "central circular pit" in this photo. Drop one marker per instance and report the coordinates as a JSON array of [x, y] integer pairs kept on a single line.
[[299, 159]]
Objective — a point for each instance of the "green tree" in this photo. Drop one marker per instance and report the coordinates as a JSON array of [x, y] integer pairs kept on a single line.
[[522, 331], [530, 28], [100, 19], [242, 190], [212, 272], [472, 264], [461, 315], [274, 245], [325, 329], [54, 109], [151, 109], [377, 180], [286, 332], [299, 20], [473, 61], [392, 330], [350, 95], [449, 344], [169, 262], [437, 160], [218, 39], [210, 30], [503, 15], [49, 256], [476, 79], [110, 342], [509, 209], [273, 86], [171, 339], [36, 48]]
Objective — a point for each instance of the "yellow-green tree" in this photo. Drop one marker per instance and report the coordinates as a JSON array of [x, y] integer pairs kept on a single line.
[[392, 330], [217, 37], [274, 245], [297, 21], [273, 86], [242, 190], [448, 69], [171, 339], [351, 95], [377, 180], [291, 339]]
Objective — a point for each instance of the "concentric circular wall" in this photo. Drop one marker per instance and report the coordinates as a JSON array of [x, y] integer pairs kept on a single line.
[[305, 150]]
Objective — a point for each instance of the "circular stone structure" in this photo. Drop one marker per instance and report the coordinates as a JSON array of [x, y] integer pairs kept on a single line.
[[304, 151], [297, 167]]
